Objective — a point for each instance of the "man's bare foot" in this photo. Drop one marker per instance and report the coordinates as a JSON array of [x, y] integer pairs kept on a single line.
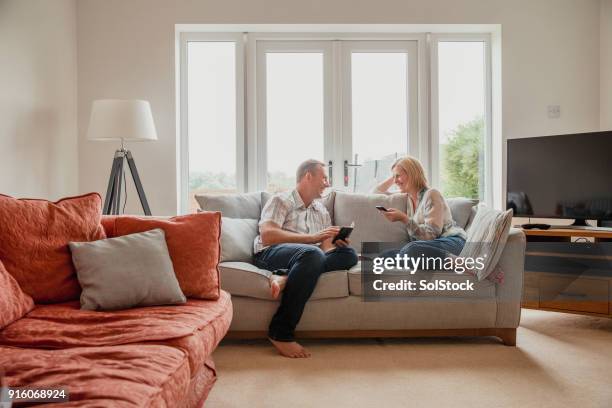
[[277, 284], [290, 349]]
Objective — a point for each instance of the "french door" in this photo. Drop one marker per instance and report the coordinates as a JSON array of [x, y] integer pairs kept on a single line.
[[351, 104]]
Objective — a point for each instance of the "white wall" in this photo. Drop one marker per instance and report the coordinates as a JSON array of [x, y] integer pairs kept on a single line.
[[550, 55], [38, 81], [605, 95]]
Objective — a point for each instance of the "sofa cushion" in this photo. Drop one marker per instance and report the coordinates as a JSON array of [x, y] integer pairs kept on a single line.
[[144, 275], [142, 375], [245, 279], [35, 236], [237, 237], [14, 304], [486, 239], [461, 209], [484, 289], [194, 244], [246, 205], [370, 225], [195, 327]]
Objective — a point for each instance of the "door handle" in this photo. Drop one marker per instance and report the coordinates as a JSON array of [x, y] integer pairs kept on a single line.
[[346, 171]]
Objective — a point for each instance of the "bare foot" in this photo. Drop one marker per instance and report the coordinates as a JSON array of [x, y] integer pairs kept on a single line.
[[290, 349], [277, 284]]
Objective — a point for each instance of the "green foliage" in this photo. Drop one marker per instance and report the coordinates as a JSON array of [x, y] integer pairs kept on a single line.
[[211, 181], [461, 159]]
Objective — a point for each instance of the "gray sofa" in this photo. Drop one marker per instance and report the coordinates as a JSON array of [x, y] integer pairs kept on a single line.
[[336, 308]]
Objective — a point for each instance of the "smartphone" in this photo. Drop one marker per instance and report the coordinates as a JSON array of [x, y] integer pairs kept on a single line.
[[344, 233], [381, 208]]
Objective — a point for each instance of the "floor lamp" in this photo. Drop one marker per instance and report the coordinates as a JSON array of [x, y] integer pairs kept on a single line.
[[124, 120]]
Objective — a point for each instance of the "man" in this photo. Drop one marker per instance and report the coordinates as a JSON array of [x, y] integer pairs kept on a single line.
[[296, 235]]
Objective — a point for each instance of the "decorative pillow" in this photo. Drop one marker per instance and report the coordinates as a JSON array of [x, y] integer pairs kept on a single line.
[[461, 209], [14, 304], [487, 238], [246, 205], [194, 245], [237, 236], [35, 236], [370, 224], [123, 272]]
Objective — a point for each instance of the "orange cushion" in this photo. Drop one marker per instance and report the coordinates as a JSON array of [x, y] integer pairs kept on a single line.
[[118, 376], [35, 236], [195, 327], [13, 302], [194, 245]]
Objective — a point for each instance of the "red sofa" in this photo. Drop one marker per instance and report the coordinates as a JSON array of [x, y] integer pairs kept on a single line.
[[150, 356]]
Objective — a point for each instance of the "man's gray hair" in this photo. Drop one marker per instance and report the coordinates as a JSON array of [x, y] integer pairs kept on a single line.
[[309, 166]]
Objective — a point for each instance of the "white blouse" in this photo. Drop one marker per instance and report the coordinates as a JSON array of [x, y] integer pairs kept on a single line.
[[431, 218]]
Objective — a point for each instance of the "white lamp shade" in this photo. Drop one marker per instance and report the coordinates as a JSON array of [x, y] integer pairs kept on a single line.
[[118, 119]]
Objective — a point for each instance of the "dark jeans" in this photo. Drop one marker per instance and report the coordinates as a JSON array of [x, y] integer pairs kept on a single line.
[[435, 248], [305, 263]]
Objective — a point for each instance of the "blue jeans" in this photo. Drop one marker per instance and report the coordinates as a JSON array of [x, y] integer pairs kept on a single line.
[[305, 263], [435, 248]]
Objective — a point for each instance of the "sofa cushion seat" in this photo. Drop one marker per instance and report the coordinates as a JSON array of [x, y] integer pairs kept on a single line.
[[482, 289], [195, 327], [129, 375], [245, 279]]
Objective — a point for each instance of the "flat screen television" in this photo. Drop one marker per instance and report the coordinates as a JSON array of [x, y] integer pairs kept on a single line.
[[564, 176]]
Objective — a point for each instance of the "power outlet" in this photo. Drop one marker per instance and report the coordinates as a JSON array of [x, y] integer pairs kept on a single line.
[[554, 111]]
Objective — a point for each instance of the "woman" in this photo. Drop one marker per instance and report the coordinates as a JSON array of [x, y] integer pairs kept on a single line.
[[431, 228]]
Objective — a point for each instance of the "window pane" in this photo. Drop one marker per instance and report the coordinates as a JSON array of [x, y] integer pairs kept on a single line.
[[211, 73], [461, 93], [294, 114], [379, 111]]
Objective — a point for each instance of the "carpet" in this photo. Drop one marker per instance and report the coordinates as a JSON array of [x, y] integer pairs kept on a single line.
[[561, 360]]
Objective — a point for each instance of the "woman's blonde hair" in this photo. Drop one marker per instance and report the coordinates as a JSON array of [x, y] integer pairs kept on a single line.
[[414, 170]]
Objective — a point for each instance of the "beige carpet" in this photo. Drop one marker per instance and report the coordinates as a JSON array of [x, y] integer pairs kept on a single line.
[[561, 360]]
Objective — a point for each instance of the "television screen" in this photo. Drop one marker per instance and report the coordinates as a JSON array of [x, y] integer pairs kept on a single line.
[[566, 176]]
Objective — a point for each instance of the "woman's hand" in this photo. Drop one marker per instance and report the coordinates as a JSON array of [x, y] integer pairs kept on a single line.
[[394, 215]]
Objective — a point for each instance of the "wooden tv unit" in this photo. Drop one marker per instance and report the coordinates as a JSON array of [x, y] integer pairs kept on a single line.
[[585, 293]]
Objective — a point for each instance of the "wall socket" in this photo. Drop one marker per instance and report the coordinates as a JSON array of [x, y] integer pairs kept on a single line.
[[554, 111]]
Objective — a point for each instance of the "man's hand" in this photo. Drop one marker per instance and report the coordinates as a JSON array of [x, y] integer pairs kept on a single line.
[[326, 234], [327, 245], [395, 215]]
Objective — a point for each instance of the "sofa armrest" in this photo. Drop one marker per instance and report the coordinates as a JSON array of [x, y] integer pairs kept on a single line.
[[510, 292]]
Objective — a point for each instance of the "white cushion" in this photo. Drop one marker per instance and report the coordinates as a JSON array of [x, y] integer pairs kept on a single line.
[[487, 238], [237, 236], [370, 224], [244, 279]]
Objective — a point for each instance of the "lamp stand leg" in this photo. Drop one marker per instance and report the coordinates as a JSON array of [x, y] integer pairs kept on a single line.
[[138, 183], [112, 202], [118, 184], [110, 190]]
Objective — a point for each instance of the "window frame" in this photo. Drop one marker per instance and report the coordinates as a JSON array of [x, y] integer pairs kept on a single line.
[[435, 39], [183, 111], [250, 144]]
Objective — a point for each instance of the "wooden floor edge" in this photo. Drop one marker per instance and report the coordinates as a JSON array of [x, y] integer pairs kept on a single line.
[[507, 335]]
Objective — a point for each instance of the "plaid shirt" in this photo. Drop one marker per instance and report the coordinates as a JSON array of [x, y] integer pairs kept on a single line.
[[288, 211]]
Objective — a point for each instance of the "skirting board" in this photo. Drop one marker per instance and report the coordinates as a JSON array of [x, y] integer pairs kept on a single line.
[[507, 336]]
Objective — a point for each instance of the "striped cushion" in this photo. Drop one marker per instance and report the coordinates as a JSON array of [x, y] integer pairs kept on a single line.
[[486, 238]]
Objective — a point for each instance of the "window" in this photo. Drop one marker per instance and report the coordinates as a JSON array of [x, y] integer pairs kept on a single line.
[[213, 110], [355, 104], [460, 100], [294, 108]]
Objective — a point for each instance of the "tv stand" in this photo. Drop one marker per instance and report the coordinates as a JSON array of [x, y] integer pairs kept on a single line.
[[550, 289], [579, 222]]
